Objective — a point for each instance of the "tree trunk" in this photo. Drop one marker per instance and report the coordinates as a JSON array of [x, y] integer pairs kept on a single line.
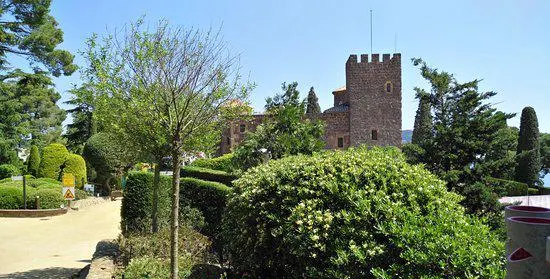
[[176, 162], [156, 183]]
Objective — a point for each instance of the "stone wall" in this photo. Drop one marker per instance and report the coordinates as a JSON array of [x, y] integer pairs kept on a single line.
[[372, 108], [340, 97], [336, 126], [232, 135]]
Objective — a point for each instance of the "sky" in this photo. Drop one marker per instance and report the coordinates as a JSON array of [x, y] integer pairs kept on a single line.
[[504, 43]]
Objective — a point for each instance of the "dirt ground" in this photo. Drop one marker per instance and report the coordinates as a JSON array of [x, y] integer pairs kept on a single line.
[[55, 247]]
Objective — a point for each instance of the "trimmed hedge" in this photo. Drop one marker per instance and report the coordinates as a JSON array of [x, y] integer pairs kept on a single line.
[[7, 171], [11, 196], [508, 188], [208, 174], [76, 165], [33, 161], [222, 163], [138, 202], [361, 213], [53, 157]]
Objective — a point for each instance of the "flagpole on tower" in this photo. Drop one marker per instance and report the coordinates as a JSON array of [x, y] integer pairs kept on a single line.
[[371, 32]]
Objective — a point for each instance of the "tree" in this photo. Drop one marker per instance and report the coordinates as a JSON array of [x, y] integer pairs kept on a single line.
[[53, 158], [83, 126], [109, 156], [528, 152], [33, 161], [545, 153], [285, 131], [179, 78], [30, 31], [466, 129], [423, 119], [312, 103]]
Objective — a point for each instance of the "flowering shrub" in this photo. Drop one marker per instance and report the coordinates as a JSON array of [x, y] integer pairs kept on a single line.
[[363, 213]]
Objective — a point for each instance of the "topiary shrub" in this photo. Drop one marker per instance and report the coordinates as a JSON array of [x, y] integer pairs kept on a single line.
[[138, 202], [53, 157], [49, 198], [208, 174], [222, 163], [11, 194], [76, 165], [210, 198], [11, 197], [7, 171], [33, 161], [355, 214]]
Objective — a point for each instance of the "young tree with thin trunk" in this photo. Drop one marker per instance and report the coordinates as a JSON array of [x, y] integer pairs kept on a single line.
[[177, 79]]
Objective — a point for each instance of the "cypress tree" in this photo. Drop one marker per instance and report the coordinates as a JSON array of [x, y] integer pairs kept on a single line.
[[312, 103], [528, 153], [33, 161], [423, 119]]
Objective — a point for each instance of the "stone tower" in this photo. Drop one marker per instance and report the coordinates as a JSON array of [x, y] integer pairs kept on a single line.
[[374, 90]]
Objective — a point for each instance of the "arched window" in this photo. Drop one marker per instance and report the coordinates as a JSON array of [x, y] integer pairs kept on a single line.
[[388, 87]]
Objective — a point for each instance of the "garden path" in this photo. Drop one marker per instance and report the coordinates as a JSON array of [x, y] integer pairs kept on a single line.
[[55, 247]]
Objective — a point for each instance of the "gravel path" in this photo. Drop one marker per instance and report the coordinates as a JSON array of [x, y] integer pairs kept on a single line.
[[56, 247]]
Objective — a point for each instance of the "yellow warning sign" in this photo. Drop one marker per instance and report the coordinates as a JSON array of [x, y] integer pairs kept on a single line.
[[68, 180], [68, 193]]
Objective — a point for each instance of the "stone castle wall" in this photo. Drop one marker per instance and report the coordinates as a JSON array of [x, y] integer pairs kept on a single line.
[[373, 110]]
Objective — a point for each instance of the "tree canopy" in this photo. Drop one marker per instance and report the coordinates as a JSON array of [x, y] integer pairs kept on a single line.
[[528, 152], [312, 103]]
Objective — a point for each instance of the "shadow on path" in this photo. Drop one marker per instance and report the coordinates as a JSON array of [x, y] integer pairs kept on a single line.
[[46, 273]]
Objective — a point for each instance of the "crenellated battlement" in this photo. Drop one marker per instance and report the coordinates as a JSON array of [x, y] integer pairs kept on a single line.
[[375, 58]]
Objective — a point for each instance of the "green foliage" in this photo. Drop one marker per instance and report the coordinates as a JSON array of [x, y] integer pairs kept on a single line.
[[352, 214], [33, 161], [148, 256], [423, 123], [109, 156], [222, 163], [210, 198], [83, 125], [76, 165], [528, 148], [138, 202], [208, 174], [470, 139], [284, 133], [507, 187], [312, 103], [545, 152], [7, 171], [53, 158], [11, 194], [413, 152]]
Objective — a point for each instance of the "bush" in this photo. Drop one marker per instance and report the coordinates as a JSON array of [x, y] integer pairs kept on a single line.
[[138, 202], [53, 157], [49, 198], [222, 163], [7, 171], [33, 161], [148, 256], [504, 187], [11, 197], [208, 174], [76, 165], [355, 214], [210, 198]]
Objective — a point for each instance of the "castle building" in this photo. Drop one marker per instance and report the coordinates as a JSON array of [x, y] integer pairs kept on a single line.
[[366, 111]]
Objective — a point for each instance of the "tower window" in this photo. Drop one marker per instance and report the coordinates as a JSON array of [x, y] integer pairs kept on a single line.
[[242, 128], [340, 142], [389, 87], [374, 134]]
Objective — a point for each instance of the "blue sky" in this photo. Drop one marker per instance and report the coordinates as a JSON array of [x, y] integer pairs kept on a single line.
[[505, 43]]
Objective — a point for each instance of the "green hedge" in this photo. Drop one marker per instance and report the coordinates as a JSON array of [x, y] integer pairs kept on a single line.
[[53, 157], [7, 171], [33, 161], [138, 202], [360, 213], [208, 174], [11, 197], [222, 163], [76, 165], [508, 188]]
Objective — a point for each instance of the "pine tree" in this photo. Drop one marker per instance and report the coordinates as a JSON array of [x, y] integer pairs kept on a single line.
[[312, 103], [528, 153], [83, 126], [33, 161], [423, 120]]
